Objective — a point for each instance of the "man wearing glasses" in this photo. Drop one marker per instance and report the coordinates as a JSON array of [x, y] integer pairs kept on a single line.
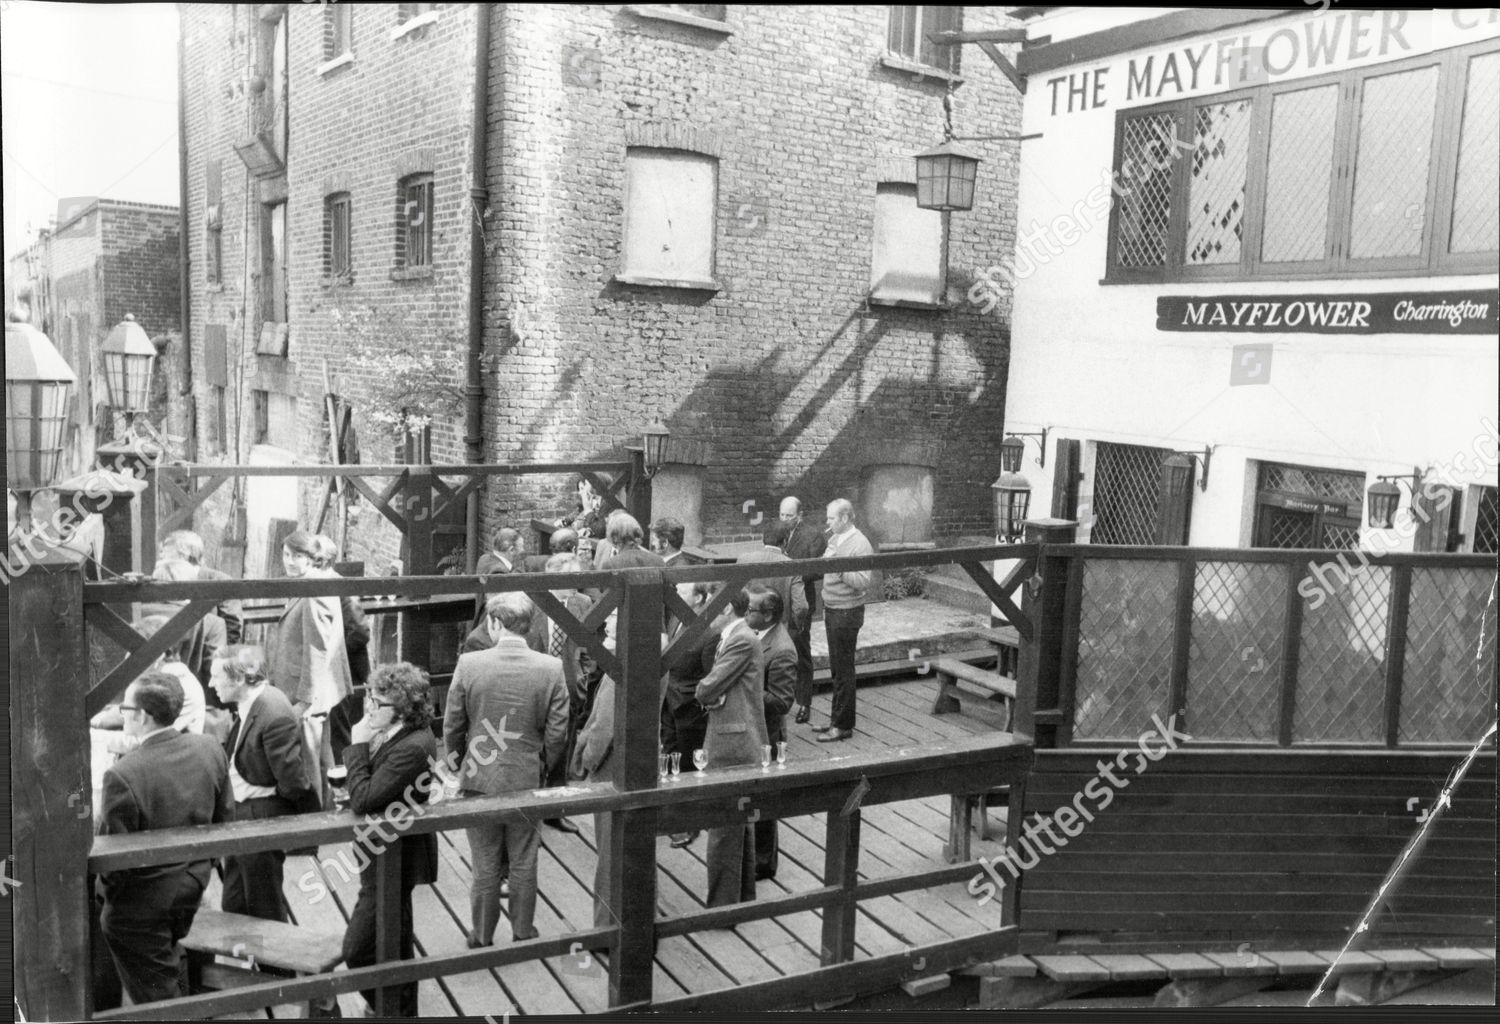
[[170, 780]]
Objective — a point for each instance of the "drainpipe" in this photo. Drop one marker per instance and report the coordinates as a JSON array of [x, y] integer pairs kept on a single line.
[[184, 269], [478, 200]]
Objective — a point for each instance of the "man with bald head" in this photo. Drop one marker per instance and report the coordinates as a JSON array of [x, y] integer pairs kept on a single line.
[[508, 554], [802, 540], [844, 597]]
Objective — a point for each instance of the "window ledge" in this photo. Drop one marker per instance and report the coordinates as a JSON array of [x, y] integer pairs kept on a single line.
[[411, 274], [876, 300], [661, 13], [898, 63], [341, 281], [406, 28], [342, 60], [702, 284]]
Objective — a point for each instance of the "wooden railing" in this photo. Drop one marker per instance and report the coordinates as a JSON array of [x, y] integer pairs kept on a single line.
[[52, 704]]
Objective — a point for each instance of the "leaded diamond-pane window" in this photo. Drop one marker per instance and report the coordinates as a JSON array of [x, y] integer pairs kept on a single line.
[[1298, 171], [1216, 189], [1127, 492], [1487, 522], [1476, 194], [1324, 483], [1390, 170], [1145, 209]]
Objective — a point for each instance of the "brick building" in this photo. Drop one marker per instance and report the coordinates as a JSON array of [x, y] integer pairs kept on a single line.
[[105, 258], [695, 213]]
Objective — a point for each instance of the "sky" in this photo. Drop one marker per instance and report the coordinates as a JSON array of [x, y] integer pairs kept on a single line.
[[89, 97]]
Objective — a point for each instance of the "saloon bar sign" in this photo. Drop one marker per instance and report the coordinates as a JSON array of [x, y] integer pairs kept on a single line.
[[1467, 312]]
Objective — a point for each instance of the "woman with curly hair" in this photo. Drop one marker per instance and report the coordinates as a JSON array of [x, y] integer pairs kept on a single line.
[[388, 757]]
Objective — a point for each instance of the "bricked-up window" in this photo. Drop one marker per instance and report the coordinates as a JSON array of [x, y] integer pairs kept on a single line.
[[213, 223], [338, 261], [909, 27], [670, 199], [414, 222], [338, 30], [1368, 171], [907, 265]]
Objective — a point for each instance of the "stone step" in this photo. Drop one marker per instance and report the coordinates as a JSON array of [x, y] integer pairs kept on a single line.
[[961, 592]]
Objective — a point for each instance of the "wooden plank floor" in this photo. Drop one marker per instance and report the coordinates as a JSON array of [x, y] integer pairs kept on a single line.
[[898, 837]]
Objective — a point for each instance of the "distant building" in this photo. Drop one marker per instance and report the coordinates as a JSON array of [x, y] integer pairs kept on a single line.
[[703, 214], [104, 259], [1275, 234]]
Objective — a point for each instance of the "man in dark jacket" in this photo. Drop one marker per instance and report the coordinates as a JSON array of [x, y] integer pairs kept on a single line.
[[266, 772], [803, 540], [684, 723], [171, 780], [765, 617]]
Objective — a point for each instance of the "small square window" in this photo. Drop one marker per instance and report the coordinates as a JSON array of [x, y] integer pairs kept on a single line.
[[909, 27], [414, 222]]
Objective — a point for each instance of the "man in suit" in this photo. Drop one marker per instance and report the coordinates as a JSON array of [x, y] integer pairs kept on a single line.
[[624, 534], [171, 780], [732, 693], [266, 773], [684, 723], [188, 547], [590, 760], [549, 638], [789, 588], [509, 548], [507, 716], [765, 618], [803, 540], [388, 755], [667, 535]]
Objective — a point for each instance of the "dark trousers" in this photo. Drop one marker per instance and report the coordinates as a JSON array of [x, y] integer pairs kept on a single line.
[[359, 939], [252, 881], [683, 729], [767, 846], [731, 865], [142, 926], [802, 640], [842, 626]]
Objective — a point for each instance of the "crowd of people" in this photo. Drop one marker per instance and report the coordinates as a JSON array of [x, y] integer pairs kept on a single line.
[[222, 730]]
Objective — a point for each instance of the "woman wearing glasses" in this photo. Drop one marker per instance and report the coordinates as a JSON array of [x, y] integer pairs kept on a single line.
[[388, 757]]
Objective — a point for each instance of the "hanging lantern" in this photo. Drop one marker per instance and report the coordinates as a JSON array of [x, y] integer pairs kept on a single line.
[[128, 358], [945, 178], [38, 384], [1383, 497], [1012, 497], [654, 441], [1176, 471]]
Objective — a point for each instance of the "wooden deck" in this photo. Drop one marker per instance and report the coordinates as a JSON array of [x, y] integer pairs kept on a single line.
[[899, 836]]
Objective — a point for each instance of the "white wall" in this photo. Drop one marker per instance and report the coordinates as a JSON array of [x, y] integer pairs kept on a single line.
[[1087, 360]]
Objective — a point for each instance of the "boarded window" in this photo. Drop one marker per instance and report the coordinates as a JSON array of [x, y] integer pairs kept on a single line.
[[907, 265], [670, 197], [338, 262]]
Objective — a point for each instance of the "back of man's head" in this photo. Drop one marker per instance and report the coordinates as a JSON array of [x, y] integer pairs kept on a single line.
[[740, 602], [623, 530], [775, 533], [670, 532], [563, 540], [187, 544], [505, 539], [512, 611], [158, 695]]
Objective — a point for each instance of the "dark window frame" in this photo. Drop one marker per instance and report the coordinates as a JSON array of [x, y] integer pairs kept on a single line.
[[924, 19], [338, 237], [414, 237], [1434, 259]]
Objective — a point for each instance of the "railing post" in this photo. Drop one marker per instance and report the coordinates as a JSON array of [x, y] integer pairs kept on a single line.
[[1395, 650], [51, 795], [1298, 569], [150, 468], [638, 501], [841, 868], [388, 924], [416, 625], [1041, 657], [632, 840]]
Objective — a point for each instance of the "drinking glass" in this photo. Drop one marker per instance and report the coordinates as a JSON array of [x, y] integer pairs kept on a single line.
[[781, 754], [676, 764], [663, 763], [765, 757], [700, 759]]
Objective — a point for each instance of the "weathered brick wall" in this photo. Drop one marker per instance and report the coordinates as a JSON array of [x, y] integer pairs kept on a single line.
[[795, 381], [139, 274]]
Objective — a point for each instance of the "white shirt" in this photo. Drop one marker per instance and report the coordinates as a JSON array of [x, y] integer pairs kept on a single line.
[[242, 789], [194, 706]]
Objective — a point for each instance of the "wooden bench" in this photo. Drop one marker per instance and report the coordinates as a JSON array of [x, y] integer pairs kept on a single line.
[[258, 943], [996, 708]]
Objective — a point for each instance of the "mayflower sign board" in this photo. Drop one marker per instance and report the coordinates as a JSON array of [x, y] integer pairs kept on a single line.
[[1455, 312]]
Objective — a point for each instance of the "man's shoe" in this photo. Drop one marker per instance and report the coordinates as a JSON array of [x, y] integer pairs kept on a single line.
[[804, 714], [684, 839], [834, 735], [562, 825]]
